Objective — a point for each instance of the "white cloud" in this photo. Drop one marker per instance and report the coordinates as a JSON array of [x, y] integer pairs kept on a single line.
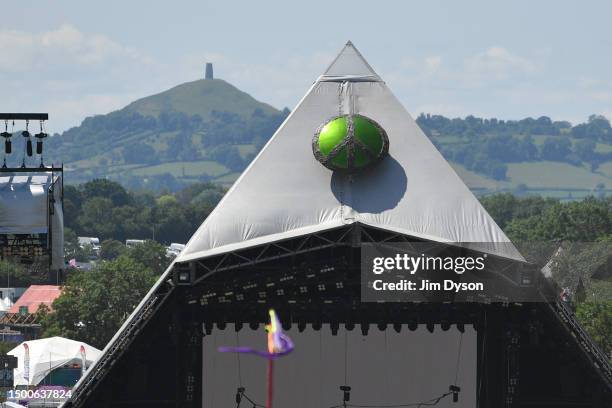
[[71, 74], [432, 64], [23, 51], [65, 37], [497, 63], [601, 96]]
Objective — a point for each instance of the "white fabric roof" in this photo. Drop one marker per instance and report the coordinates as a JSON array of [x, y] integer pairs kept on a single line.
[[286, 192], [23, 208], [45, 355]]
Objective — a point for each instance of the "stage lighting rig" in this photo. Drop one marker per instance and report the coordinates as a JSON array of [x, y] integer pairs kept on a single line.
[[455, 391], [27, 117], [184, 275], [7, 139], [26, 134], [346, 394], [40, 136], [239, 393]]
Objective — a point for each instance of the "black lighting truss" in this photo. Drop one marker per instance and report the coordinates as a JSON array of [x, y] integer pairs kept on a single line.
[[313, 281]]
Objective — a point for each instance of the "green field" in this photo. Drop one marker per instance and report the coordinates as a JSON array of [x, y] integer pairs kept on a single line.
[[478, 181], [184, 169], [547, 174], [246, 150], [549, 179]]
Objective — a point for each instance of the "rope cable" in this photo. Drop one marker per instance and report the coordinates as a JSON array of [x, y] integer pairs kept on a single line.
[[5, 144], [345, 356], [25, 145], [484, 341], [320, 367], [430, 402], [386, 360], [238, 361], [255, 404], [458, 358], [214, 367]]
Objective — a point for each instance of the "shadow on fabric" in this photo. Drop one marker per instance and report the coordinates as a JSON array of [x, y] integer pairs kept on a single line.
[[376, 189]]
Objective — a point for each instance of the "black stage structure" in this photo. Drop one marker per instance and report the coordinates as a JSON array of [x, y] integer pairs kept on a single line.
[[530, 355], [290, 235]]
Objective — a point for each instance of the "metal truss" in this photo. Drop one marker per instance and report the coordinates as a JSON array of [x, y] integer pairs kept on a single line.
[[118, 345], [583, 340], [20, 319], [350, 235], [272, 251]]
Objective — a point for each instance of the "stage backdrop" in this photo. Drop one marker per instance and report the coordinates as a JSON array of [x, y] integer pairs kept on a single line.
[[383, 367]]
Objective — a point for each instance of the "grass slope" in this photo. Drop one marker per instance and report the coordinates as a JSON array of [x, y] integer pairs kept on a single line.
[[201, 97]]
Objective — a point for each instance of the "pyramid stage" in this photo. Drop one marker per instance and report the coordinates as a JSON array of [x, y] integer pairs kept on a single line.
[[349, 172]]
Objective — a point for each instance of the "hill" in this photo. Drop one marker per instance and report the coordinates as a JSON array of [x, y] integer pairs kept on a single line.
[[208, 130], [202, 98], [205, 130], [528, 156]]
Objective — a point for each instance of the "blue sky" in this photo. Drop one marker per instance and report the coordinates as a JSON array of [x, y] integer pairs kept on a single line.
[[510, 60]]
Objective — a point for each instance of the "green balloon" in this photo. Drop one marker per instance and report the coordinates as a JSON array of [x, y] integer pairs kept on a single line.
[[350, 143]]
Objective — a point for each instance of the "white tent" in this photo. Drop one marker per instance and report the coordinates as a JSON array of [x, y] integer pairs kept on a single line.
[[37, 358], [286, 192], [5, 304], [24, 201]]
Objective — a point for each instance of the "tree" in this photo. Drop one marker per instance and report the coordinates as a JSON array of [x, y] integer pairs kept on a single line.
[[142, 154], [95, 218], [111, 249], [171, 220], [106, 189], [596, 318], [150, 254], [74, 250], [94, 304], [14, 274], [556, 149], [585, 149], [582, 221]]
